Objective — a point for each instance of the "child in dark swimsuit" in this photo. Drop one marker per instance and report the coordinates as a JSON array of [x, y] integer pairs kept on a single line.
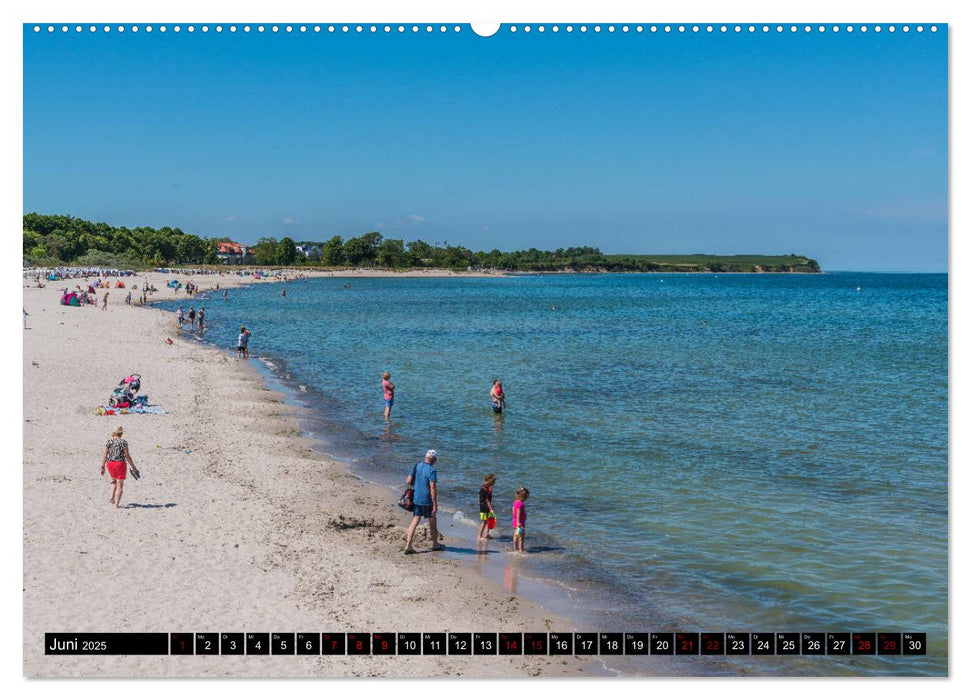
[[485, 505]]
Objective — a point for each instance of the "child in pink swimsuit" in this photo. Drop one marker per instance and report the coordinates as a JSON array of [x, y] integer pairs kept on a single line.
[[519, 519]]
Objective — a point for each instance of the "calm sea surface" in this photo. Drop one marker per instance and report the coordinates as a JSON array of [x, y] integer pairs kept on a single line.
[[704, 452]]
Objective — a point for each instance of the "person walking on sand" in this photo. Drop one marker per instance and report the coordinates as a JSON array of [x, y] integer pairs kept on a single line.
[[424, 479], [388, 387], [128, 298], [114, 457], [519, 520], [242, 343], [485, 505], [192, 319], [104, 302], [498, 398]]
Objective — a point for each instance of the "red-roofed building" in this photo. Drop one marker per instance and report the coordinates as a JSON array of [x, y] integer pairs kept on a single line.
[[233, 253]]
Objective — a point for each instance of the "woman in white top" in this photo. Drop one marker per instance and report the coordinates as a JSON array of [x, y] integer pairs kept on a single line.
[[242, 343]]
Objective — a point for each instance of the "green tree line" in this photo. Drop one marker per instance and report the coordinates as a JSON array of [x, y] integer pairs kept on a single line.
[[51, 239], [58, 239]]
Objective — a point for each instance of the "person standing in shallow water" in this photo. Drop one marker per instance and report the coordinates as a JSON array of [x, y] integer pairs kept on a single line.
[[242, 343], [388, 388], [497, 396], [424, 479], [485, 505], [519, 520]]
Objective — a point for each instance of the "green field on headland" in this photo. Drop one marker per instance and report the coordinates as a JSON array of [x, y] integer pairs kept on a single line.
[[714, 263], [51, 240]]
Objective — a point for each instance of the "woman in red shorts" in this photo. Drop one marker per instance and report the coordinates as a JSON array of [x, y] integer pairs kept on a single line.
[[114, 457]]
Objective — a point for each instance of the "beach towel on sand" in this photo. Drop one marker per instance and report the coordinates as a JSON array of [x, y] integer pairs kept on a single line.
[[112, 411]]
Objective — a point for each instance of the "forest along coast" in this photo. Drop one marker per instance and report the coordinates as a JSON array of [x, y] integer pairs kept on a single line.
[[51, 240]]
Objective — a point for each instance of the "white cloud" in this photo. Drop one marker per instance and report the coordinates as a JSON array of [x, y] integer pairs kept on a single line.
[[417, 218], [231, 217], [485, 229], [287, 220]]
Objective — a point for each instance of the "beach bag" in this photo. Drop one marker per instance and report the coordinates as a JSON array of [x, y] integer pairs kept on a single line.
[[407, 500]]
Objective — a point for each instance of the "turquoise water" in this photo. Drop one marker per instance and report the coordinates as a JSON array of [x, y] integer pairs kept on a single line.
[[704, 452]]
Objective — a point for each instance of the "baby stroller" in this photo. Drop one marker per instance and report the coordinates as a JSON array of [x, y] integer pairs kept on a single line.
[[124, 394]]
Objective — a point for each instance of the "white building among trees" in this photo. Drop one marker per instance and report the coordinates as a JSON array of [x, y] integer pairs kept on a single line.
[[231, 253], [309, 250]]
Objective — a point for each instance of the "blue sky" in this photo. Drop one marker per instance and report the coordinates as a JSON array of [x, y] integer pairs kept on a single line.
[[829, 145]]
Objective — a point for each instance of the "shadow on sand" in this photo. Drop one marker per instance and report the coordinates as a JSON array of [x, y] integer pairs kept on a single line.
[[151, 505], [529, 549]]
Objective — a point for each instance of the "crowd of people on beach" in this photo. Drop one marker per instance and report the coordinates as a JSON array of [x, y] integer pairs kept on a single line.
[[187, 271], [257, 273], [88, 294], [63, 273]]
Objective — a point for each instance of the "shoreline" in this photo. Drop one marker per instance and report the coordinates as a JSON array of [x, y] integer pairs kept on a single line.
[[453, 523], [233, 499], [502, 570], [233, 273]]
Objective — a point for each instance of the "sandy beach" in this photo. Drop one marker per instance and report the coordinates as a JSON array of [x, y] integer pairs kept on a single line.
[[236, 525]]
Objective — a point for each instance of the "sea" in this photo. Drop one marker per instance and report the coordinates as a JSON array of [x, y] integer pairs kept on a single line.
[[705, 453]]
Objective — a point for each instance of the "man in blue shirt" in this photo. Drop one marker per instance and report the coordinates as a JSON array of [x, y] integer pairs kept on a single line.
[[426, 500]]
